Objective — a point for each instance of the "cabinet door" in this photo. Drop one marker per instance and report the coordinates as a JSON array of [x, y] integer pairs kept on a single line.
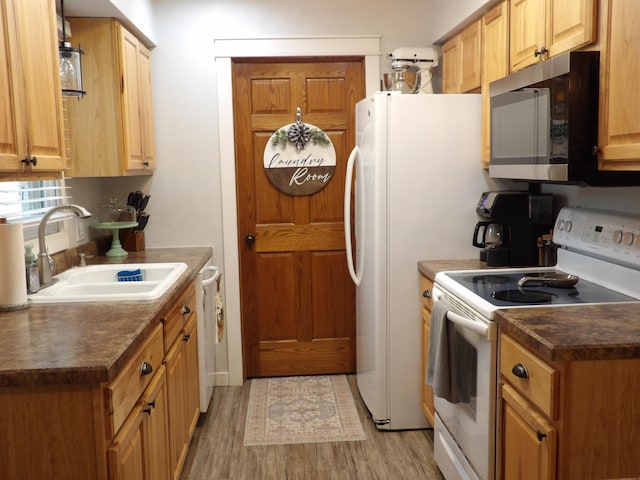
[[427, 391], [527, 32], [125, 455], [175, 362], [451, 66], [12, 134], [192, 384], [131, 118], [156, 428], [528, 442], [619, 100], [37, 40], [146, 108], [495, 65], [470, 40], [570, 24]]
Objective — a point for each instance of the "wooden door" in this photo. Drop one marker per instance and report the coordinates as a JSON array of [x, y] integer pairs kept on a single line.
[[571, 24], [470, 40], [527, 32], [619, 129], [528, 441], [12, 141], [36, 28], [298, 302], [495, 65]]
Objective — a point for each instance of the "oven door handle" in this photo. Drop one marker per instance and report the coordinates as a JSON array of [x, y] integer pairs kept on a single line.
[[477, 327]]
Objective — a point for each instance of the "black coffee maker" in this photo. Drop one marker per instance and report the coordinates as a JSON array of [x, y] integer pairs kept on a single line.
[[512, 223]]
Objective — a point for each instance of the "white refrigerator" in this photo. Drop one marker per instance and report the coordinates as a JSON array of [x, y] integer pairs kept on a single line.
[[417, 179]]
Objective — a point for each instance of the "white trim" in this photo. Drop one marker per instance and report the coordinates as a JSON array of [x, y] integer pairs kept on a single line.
[[226, 49]]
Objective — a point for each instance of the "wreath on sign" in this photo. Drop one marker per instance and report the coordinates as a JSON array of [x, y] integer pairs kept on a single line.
[[299, 134]]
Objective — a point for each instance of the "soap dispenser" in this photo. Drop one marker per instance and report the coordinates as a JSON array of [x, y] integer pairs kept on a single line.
[[31, 265]]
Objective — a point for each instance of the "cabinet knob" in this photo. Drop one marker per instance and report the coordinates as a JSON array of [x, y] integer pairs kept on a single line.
[[540, 435], [150, 406], [540, 52], [426, 294], [30, 161], [186, 337], [519, 370], [186, 310], [145, 163], [145, 369]]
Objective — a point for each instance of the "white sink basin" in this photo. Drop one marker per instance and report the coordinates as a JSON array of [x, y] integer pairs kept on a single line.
[[100, 283]]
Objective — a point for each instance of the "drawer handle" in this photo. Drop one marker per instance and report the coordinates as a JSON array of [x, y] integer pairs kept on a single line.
[[426, 294], [186, 337], [186, 310], [541, 435], [145, 369], [520, 371], [150, 406]]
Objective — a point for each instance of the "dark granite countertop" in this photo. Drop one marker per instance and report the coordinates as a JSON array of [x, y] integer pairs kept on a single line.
[[566, 333], [67, 343]]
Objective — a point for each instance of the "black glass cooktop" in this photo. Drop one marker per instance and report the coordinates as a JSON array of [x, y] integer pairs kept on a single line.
[[502, 290]]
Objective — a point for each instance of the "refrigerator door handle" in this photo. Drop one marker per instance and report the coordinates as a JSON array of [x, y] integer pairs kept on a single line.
[[351, 162]]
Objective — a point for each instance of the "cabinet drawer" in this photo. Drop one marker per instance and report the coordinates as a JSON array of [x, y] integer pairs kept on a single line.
[[178, 316], [125, 390], [426, 290], [536, 381]]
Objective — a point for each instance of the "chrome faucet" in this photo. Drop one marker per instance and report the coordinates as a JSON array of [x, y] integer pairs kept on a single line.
[[46, 265]]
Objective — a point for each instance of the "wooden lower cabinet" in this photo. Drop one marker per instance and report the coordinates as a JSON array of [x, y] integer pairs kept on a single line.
[[528, 441], [127, 429], [426, 287], [183, 394], [567, 419], [140, 451]]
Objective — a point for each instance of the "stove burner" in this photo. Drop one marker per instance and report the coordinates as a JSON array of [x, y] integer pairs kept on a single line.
[[523, 296]]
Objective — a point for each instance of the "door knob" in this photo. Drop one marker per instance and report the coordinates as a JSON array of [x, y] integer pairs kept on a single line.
[[249, 239]]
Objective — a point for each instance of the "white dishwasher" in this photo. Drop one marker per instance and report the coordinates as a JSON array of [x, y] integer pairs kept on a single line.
[[207, 288]]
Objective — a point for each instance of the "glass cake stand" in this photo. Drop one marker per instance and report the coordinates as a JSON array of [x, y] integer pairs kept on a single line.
[[116, 249]]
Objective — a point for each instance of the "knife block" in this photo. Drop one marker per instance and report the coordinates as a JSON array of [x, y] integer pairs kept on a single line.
[[132, 240]]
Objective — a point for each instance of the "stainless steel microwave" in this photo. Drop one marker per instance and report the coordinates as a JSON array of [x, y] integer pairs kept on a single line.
[[544, 124]]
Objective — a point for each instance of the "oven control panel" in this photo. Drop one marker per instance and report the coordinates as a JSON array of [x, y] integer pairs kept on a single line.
[[612, 236]]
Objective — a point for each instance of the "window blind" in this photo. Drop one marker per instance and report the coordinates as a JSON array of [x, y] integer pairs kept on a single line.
[[27, 202]]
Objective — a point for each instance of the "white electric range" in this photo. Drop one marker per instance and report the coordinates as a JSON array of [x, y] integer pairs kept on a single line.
[[601, 250]]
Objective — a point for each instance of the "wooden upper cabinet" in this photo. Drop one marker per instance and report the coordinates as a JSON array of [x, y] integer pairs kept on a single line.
[[495, 64], [461, 61], [541, 29], [32, 133], [619, 128], [527, 32], [451, 66], [112, 131]]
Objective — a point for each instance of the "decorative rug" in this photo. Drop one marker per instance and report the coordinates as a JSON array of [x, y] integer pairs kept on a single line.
[[301, 410]]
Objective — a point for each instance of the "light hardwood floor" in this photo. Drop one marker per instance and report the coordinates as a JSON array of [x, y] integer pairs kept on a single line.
[[217, 451]]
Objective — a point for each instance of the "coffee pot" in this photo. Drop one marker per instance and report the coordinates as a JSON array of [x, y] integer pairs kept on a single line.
[[489, 235], [493, 239]]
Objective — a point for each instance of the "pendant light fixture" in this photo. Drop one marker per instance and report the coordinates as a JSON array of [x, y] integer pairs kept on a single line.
[[70, 64]]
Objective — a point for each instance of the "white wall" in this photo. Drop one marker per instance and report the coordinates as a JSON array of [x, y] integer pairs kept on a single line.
[[446, 16]]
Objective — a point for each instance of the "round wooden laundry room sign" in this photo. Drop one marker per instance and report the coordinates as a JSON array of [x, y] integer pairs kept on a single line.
[[299, 158]]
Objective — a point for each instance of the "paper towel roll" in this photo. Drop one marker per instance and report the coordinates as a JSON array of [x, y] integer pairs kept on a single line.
[[13, 281]]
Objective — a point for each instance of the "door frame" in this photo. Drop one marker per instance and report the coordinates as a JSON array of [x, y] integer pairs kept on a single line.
[[225, 50]]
